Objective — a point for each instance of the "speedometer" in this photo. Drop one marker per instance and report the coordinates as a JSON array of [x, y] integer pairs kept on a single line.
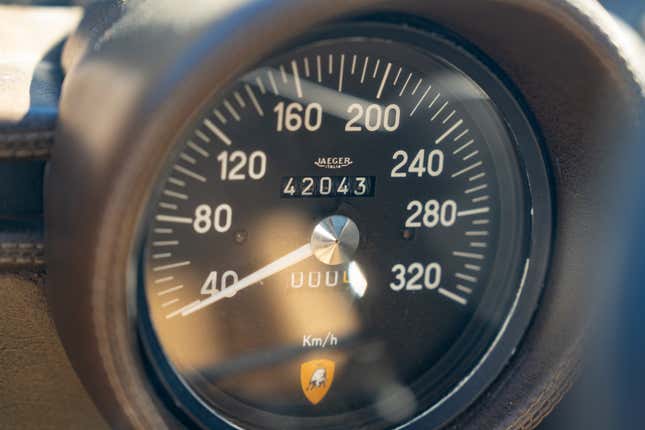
[[345, 237]]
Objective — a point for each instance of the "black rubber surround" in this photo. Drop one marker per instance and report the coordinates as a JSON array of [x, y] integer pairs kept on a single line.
[[519, 310]]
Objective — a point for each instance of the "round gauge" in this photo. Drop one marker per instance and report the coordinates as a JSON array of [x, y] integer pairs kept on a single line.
[[341, 238]]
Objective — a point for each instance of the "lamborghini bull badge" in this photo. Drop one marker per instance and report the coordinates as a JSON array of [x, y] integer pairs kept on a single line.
[[316, 377]]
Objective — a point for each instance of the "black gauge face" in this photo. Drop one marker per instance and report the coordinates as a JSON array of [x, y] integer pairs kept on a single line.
[[339, 239]]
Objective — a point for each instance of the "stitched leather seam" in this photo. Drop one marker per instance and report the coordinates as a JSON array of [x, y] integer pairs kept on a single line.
[[21, 253], [26, 145]]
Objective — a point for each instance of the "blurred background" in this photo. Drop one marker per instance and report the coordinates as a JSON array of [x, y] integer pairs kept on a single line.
[[631, 12]]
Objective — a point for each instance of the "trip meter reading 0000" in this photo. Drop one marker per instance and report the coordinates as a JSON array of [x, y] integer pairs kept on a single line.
[[343, 237]]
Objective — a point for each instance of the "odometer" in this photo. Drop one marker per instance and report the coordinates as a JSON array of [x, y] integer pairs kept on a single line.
[[339, 239]]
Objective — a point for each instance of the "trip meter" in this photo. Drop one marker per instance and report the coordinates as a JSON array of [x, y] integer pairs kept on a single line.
[[340, 238]]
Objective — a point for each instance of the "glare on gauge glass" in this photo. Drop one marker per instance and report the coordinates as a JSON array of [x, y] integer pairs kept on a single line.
[[335, 239]]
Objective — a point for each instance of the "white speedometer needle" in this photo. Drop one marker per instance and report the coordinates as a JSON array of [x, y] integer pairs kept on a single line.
[[282, 263]]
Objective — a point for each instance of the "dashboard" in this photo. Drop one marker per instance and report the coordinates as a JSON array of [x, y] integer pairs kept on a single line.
[[316, 215]]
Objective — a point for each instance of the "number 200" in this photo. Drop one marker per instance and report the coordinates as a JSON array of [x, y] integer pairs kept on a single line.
[[373, 117]]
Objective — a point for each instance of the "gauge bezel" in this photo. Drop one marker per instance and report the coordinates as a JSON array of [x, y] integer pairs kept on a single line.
[[518, 121]]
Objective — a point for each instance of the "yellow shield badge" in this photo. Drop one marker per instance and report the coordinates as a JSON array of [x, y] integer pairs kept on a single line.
[[316, 377]]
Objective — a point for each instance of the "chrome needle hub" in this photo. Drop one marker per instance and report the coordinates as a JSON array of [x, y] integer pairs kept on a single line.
[[335, 240]]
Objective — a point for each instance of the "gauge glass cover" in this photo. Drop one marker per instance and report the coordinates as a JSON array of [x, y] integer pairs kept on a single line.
[[337, 239]]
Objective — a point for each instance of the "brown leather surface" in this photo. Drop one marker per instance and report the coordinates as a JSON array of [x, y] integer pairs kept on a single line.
[[38, 387]]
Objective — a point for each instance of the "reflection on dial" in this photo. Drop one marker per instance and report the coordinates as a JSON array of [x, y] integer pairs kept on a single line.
[[336, 239]]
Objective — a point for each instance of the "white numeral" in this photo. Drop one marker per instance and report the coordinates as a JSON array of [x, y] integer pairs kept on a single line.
[[291, 117], [307, 186], [420, 165], [211, 285], [256, 164], [290, 188], [361, 186], [373, 118], [326, 186], [219, 219], [431, 214], [415, 276], [343, 187]]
